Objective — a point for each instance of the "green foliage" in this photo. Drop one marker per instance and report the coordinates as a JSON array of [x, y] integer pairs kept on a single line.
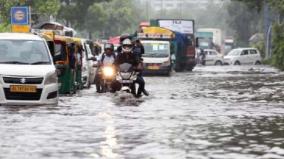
[[110, 18], [5, 28], [244, 20], [260, 46], [75, 11], [39, 8], [278, 46]]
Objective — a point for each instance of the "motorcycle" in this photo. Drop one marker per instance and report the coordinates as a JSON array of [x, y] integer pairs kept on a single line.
[[108, 75], [127, 76]]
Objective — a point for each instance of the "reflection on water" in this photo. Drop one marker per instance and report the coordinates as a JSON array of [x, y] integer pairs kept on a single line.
[[213, 112]]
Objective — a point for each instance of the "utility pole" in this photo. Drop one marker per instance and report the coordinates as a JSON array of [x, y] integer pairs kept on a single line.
[[267, 29]]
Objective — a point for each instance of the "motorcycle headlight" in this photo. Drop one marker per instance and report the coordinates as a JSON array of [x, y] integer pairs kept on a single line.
[[50, 79], [108, 71]]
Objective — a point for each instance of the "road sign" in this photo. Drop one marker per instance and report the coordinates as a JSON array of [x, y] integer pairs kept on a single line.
[[20, 19], [21, 28], [20, 15]]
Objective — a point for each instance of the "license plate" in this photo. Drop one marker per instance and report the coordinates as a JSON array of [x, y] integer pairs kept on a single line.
[[153, 67], [23, 89], [127, 81]]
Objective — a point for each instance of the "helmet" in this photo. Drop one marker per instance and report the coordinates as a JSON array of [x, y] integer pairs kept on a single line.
[[109, 46], [123, 37], [127, 45]]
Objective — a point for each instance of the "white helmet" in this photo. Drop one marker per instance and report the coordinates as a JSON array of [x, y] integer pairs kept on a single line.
[[127, 45]]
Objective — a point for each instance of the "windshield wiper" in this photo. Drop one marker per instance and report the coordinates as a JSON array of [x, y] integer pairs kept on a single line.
[[14, 62], [40, 62]]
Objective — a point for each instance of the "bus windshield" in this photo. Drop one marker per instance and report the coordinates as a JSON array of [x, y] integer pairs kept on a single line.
[[156, 49]]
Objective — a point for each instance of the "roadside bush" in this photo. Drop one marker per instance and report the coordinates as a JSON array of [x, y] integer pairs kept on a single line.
[[4, 28], [277, 59], [261, 47]]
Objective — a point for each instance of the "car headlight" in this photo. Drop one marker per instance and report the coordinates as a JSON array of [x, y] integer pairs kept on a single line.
[[50, 79]]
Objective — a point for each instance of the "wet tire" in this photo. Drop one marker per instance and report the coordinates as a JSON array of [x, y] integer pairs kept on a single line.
[[218, 63], [133, 90], [237, 63]]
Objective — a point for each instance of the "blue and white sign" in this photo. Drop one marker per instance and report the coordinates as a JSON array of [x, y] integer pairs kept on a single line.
[[20, 15]]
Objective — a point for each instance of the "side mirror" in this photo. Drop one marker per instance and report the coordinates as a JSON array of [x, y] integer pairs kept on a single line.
[[92, 59], [197, 42]]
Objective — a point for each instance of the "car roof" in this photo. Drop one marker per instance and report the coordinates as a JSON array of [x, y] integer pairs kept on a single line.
[[19, 36], [209, 50], [246, 48]]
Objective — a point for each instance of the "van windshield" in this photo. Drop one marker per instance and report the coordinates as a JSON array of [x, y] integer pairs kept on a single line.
[[156, 49], [28, 52]]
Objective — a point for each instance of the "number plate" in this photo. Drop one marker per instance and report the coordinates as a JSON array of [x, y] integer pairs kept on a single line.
[[127, 81], [22, 89], [153, 67]]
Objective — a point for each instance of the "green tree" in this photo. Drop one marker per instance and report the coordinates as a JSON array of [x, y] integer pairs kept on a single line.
[[95, 19], [75, 11], [38, 8], [244, 20]]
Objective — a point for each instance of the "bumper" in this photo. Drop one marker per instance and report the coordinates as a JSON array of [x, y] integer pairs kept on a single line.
[[48, 96]]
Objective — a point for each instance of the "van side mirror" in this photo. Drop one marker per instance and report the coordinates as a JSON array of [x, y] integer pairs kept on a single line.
[[197, 42]]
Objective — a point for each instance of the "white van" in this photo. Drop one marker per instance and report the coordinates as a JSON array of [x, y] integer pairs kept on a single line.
[[27, 73], [88, 71], [243, 56]]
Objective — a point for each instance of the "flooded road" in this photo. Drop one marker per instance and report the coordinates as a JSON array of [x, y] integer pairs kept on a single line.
[[212, 112]]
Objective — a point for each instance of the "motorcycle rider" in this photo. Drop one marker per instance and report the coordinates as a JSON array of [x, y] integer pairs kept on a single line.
[[107, 58], [127, 56], [202, 57], [139, 50]]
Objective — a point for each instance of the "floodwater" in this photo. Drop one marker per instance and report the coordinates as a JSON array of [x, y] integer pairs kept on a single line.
[[213, 112]]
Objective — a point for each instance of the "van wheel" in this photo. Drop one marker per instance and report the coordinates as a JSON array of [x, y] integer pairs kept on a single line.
[[218, 63], [237, 63], [257, 63]]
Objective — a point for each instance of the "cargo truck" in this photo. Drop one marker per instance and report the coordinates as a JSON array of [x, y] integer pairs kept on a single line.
[[184, 43]]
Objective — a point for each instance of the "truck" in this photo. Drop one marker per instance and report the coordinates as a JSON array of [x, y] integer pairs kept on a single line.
[[184, 42], [210, 38], [157, 44], [229, 44]]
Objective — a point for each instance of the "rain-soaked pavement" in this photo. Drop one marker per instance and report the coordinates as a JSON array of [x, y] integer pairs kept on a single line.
[[213, 112]]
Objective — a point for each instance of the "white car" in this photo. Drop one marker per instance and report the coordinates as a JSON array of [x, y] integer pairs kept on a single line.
[[27, 73], [213, 57], [242, 56], [88, 71]]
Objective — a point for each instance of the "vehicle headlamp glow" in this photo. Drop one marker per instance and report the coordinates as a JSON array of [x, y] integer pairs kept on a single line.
[[50, 79], [108, 71]]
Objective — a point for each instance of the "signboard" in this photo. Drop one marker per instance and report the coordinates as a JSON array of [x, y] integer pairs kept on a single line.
[[20, 19], [182, 26], [20, 15], [21, 28]]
